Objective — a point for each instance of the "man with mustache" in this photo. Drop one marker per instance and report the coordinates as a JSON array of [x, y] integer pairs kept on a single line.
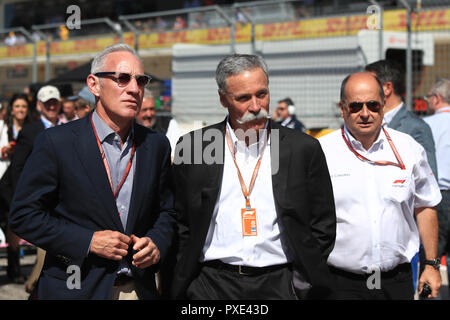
[[96, 193], [382, 185], [257, 222]]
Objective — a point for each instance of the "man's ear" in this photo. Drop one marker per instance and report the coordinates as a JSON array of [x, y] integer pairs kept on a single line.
[[223, 101], [388, 89], [438, 98], [93, 84], [341, 108]]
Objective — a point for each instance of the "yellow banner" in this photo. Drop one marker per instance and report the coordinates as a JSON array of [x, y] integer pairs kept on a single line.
[[23, 51], [396, 20], [78, 46], [393, 20], [167, 39]]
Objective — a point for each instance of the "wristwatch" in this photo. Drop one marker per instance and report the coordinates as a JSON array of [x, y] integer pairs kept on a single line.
[[435, 263]]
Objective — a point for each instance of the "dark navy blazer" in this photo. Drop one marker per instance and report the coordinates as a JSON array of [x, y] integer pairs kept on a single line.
[[63, 196]]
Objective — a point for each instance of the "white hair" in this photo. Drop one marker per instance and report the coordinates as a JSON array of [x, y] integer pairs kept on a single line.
[[148, 94], [442, 87], [99, 59]]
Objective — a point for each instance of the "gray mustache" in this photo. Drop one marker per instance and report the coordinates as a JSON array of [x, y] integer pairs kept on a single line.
[[262, 114]]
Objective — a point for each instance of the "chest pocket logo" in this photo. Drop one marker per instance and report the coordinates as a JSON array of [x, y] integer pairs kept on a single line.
[[399, 189]]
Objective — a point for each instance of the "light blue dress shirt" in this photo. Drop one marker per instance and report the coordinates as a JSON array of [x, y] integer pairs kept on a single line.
[[440, 127], [118, 158]]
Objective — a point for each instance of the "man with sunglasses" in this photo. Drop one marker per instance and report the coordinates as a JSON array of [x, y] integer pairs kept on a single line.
[[95, 193], [381, 181]]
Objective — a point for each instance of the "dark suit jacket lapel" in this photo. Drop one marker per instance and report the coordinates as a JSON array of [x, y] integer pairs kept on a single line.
[[141, 177], [89, 154], [280, 153], [214, 172]]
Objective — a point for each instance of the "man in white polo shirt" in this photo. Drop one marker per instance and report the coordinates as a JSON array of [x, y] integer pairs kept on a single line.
[[381, 180]]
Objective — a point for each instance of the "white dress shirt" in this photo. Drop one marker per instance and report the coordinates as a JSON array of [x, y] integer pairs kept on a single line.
[[440, 127], [375, 204], [173, 134], [285, 122], [225, 240], [4, 141], [47, 123]]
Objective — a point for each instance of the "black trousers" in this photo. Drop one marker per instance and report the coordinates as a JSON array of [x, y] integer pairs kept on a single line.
[[396, 284], [219, 284]]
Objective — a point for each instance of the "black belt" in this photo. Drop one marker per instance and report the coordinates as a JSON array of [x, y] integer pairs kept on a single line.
[[404, 267], [122, 279], [244, 270]]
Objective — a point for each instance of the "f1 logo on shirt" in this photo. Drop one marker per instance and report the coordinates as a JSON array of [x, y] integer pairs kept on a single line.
[[400, 183]]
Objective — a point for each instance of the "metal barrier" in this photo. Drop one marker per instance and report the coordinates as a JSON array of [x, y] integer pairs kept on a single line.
[[141, 21], [30, 38], [242, 13]]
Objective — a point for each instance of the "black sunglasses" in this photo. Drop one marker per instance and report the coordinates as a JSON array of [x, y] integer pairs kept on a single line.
[[123, 78], [372, 105]]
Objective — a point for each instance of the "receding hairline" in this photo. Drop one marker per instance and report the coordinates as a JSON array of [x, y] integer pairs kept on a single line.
[[367, 75], [99, 60], [113, 55]]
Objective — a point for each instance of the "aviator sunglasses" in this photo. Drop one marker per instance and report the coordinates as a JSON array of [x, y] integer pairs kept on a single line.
[[123, 78], [372, 105]]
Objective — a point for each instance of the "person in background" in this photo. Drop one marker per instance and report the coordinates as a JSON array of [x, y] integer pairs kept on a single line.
[[179, 23], [68, 108], [164, 124], [396, 114], [3, 110], [161, 24], [285, 114], [439, 105], [84, 102], [49, 106], [11, 39], [16, 118]]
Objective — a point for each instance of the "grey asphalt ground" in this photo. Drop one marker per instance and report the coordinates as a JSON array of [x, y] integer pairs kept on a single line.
[[11, 291]]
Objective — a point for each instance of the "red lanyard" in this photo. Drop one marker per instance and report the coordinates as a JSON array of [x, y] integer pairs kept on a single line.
[[246, 191], [400, 163], [105, 162]]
